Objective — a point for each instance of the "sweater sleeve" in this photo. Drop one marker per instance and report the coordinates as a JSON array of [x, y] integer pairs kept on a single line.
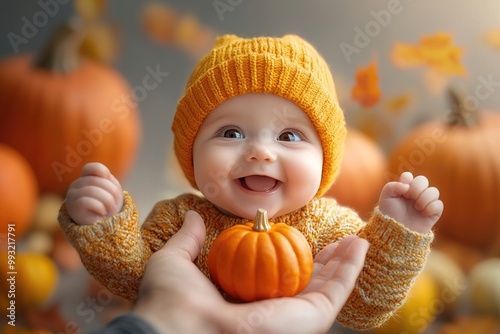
[[395, 257], [115, 250]]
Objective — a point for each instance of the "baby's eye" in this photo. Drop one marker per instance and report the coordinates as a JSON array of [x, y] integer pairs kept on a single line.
[[289, 135], [231, 133]]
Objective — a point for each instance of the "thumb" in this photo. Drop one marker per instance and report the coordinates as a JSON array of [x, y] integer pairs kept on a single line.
[[394, 189], [189, 240]]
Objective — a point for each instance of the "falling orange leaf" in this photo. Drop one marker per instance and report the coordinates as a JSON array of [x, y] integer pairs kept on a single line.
[[404, 55], [159, 22], [366, 89], [434, 51], [192, 37], [90, 10], [398, 104], [185, 32], [101, 42], [492, 38]]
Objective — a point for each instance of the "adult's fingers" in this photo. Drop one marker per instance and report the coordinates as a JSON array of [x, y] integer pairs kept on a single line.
[[189, 240]]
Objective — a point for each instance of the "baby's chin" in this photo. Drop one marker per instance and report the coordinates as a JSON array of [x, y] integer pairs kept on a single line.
[[249, 212]]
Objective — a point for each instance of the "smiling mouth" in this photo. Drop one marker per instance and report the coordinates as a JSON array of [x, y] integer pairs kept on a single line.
[[259, 183]]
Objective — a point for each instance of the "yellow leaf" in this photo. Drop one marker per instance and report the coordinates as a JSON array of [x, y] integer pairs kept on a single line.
[[404, 55], [159, 21], [186, 30], [399, 103], [90, 10], [101, 43], [492, 38], [433, 51]]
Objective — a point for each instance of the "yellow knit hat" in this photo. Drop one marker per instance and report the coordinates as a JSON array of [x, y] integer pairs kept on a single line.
[[288, 67]]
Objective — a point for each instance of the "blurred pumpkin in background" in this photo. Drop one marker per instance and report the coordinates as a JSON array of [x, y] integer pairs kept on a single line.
[[450, 281], [485, 288], [471, 325], [461, 157], [362, 174], [47, 209], [60, 111], [465, 256], [418, 311], [23, 330], [18, 192], [35, 282]]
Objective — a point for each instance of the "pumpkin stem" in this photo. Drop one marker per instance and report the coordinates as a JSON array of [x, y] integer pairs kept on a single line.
[[260, 223], [462, 115], [61, 53]]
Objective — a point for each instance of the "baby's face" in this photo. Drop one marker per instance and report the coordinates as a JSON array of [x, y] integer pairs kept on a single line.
[[258, 151]]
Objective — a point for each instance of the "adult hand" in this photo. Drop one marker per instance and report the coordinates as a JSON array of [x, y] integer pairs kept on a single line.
[[176, 297]]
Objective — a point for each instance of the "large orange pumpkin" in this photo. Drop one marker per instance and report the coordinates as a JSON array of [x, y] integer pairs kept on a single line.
[[18, 192], [461, 157], [258, 260], [61, 111], [362, 174]]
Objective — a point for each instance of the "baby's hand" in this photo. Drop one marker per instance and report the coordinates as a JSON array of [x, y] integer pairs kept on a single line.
[[411, 202], [97, 194]]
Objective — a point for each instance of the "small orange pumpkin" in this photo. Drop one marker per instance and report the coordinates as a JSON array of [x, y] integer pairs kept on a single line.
[[61, 111], [461, 158], [18, 192], [259, 260]]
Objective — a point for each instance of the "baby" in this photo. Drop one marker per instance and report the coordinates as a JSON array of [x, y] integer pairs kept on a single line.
[[259, 126]]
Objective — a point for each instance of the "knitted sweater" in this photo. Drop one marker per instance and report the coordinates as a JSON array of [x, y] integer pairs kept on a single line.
[[115, 250]]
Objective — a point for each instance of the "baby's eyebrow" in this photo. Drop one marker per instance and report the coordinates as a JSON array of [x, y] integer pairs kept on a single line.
[[230, 115]]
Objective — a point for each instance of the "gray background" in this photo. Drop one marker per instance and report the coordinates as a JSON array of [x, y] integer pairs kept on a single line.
[[326, 24]]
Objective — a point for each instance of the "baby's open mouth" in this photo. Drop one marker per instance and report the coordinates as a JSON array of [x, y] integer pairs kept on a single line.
[[259, 183]]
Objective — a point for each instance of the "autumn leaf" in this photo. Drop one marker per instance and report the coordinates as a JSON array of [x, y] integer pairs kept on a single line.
[[185, 32], [159, 22], [398, 104], [492, 38], [90, 10], [192, 37], [436, 52], [366, 89], [404, 55], [101, 42]]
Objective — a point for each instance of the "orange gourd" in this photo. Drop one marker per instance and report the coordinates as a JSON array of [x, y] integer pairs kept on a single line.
[[362, 174], [461, 157], [61, 111], [18, 192], [259, 260]]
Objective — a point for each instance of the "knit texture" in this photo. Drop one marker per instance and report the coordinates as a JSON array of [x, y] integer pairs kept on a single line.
[[115, 250], [288, 67]]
